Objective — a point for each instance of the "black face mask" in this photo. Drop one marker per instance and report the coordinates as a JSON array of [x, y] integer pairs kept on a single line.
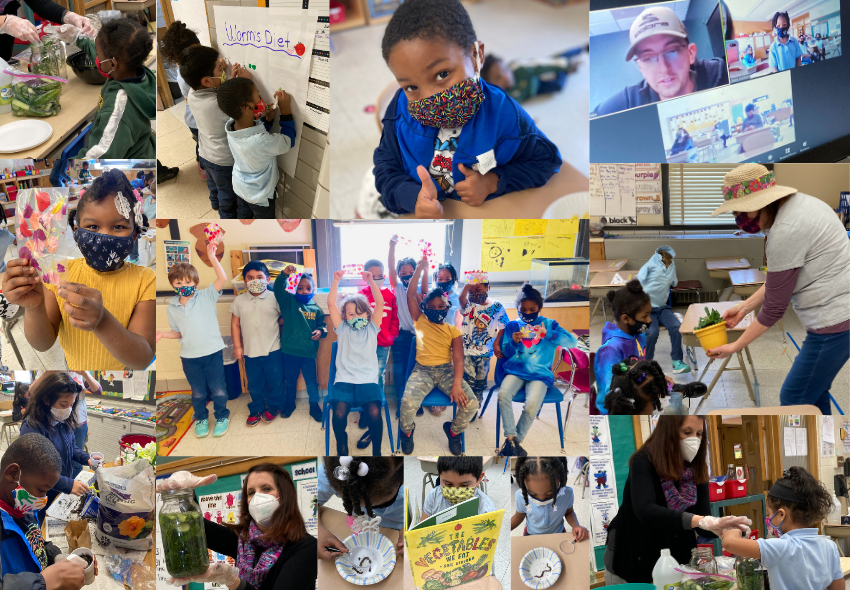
[[405, 280], [445, 286], [638, 327]]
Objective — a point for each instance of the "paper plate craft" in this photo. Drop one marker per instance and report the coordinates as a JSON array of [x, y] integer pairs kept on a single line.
[[370, 559], [540, 568], [214, 233], [41, 220], [475, 277]]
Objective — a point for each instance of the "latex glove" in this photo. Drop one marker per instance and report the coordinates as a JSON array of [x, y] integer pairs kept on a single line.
[[20, 28], [81, 22], [218, 573], [68, 33], [719, 524], [183, 480]]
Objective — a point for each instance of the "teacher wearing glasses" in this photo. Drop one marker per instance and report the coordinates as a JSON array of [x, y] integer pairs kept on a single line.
[[667, 60]]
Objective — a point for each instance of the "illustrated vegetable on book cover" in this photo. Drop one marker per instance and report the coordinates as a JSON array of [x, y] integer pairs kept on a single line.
[[454, 552]]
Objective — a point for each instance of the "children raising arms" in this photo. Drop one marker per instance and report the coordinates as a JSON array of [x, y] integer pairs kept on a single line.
[[356, 384], [543, 499], [103, 309], [799, 558], [439, 363]]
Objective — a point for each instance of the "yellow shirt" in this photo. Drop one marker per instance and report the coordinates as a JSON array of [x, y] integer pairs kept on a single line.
[[121, 290], [434, 341]]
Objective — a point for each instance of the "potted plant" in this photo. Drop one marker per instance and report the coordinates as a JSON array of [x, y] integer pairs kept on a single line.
[[711, 330]]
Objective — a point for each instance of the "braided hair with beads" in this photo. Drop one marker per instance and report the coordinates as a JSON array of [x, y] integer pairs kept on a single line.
[[555, 468], [631, 391], [385, 476]]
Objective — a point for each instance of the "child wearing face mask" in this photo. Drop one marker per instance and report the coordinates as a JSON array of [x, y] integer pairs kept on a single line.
[[256, 340], [796, 556], [356, 384], [400, 274], [439, 363], [303, 327], [528, 346], [445, 279], [30, 468], [483, 319], [447, 133], [459, 481], [544, 500], [102, 310], [193, 320], [52, 413]]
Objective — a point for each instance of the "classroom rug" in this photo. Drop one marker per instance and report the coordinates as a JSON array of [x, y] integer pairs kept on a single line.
[[174, 417]]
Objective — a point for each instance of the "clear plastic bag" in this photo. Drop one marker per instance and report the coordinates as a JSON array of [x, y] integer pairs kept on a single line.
[[696, 580], [135, 574], [41, 218], [36, 97]]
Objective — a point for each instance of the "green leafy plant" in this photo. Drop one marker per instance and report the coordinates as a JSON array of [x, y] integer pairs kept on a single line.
[[432, 538], [711, 318], [484, 526]]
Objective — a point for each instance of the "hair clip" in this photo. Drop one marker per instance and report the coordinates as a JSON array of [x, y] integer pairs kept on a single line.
[[122, 205], [137, 212], [640, 378], [624, 367]]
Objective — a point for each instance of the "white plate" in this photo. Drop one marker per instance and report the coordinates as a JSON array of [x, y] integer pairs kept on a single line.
[[575, 204], [540, 568], [23, 135], [371, 558]]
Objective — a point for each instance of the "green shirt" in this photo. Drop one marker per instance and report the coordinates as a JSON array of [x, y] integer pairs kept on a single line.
[[299, 322], [527, 77]]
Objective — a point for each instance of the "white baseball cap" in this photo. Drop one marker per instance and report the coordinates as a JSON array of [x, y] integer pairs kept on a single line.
[[656, 20]]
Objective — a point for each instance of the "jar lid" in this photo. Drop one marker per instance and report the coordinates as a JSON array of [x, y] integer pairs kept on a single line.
[[178, 492]]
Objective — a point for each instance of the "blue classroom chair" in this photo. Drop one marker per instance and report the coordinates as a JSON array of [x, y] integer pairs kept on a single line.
[[78, 142], [326, 408]]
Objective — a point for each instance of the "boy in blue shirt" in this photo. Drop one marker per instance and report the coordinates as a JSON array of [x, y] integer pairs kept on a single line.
[[253, 145], [447, 133], [193, 320], [459, 481], [543, 499], [656, 277]]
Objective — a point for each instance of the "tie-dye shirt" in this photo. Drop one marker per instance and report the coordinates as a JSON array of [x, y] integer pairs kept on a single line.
[[532, 358]]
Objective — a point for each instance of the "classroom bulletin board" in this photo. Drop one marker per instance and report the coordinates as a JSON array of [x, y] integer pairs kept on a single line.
[[510, 244], [626, 194]]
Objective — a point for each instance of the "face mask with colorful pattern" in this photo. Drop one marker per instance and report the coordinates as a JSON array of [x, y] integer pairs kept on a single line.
[[26, 502], [185, 291], [257, 286], [457, 495], [357, 323], [478, 298]]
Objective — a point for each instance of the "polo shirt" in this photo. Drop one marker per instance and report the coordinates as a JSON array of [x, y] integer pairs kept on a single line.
[[800, 560], [258, 316], [784, 57], [549, 519], [197, 323]]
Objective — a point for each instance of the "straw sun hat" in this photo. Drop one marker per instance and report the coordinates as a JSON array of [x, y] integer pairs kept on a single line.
[[750, 187]]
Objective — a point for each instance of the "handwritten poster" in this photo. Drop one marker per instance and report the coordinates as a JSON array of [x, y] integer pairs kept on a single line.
[[559, 246], [308, 490], [529, 227], [621, 192], [497, 228], [597, 193]]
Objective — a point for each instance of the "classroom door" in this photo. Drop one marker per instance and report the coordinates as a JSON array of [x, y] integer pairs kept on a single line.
[[731, 447], [752, 448]]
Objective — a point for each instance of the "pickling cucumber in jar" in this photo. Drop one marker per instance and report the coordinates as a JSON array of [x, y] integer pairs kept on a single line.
[[181, 527]]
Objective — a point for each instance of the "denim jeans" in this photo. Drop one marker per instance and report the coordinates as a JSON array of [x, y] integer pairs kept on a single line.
[[80, 435], [259, 211], [535, 391], [292, 366], [664, 316], [383, 355], [195, 135], [220, 183], [401, 356], [58, 177], [205, 375], [814, 369], [265, 383]]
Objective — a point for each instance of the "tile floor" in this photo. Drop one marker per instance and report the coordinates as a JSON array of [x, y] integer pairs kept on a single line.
[[360, 75], [772, 359]]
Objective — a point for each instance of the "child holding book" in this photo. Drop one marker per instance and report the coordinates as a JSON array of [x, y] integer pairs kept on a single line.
[[256, 340], [356, 325], [446, 132], [303, 325], [193, 320], [544, 500], [102, 311], [459, 481], [483, 319]]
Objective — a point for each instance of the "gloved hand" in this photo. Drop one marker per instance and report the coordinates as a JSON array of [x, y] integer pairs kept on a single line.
[[218, 573], [719, 524], [67, 33], [81, 22], [183, 480], [20, 28]]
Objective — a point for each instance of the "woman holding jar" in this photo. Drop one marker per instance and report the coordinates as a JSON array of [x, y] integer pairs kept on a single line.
[[270, 543], [12, 26], [664, 502]]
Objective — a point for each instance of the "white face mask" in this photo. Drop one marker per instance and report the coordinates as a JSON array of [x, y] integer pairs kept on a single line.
[[262, 507], [689, 447], [60, 414], [534, 500]]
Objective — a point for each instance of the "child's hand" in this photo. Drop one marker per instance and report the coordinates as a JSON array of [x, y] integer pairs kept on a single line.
[[328, 539], [83, 305], [427, 205], [22, 285], [422, 264], [279, 321], [497, 350], [338, 275], [316, 335], [238, 353], [580, 533], [458, 396], [366, 276], [517, 336], [284, 102], [542, 331], [240, 72], [269, 114], [393, 241], [669, 380], [476, 187], [211, 248], [289, 270], [399, 546], [158, 336]]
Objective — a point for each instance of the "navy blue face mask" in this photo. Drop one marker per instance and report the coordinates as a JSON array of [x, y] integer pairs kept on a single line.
[[528, 318], [102, 251], [436, 316], [405, 280], [304, 298], [445, 286]]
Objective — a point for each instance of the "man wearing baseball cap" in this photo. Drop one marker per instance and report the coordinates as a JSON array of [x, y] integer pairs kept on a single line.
[[667, 60], [808, 255]]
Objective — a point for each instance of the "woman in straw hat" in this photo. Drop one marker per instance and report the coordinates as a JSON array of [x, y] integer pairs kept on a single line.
[[808, 257]]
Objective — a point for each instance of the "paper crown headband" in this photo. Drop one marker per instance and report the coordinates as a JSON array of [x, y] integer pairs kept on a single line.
[[475, 277]]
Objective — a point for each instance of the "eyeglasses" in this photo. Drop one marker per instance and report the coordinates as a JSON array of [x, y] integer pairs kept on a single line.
[[671, 56]]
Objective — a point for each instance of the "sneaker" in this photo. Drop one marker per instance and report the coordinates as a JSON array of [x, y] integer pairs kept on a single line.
[[268, 416], [511, 448], [315, 412], [365, 440], [362, 424], [221, 427], [287, 410], [202, 428], [252, 421], [420, 411], [202, 173], [455, 445], [681, 367], [407, 441], [168, 174], [692, 389]]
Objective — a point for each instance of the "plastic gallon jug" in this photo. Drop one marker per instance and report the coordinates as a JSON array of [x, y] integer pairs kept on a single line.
[[664, 574]]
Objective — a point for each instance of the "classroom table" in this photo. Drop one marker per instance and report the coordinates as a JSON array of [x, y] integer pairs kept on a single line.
[[746, 282], [845, 566], [718, 268], [329, 578], [573, 566], [803, 410], [607, 265], [689, 339], [602, 282], [79, 102]]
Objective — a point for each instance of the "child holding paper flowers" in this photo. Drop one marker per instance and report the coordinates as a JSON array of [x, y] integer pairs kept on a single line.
[[100, 306]]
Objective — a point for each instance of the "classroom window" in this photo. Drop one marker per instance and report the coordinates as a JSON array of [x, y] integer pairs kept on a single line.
[[360, 242], [696, 190]]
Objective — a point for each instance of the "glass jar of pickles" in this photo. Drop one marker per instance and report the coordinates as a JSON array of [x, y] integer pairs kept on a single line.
[[702, 559], [181, 526]]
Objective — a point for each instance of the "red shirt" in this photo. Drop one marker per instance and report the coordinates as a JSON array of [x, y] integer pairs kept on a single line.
[[389, 325]]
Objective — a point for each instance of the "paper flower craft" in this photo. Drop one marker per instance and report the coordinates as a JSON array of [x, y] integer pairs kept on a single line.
[[292, 282], [423, 246], [41, 219], [214, 233], [475, 277]]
